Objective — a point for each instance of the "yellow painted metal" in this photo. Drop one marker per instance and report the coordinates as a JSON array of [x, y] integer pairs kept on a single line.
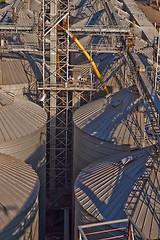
[[105, 88], [58, 65], [89, 58]]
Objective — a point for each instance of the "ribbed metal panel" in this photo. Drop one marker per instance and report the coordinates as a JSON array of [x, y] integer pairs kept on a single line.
[[23, 135], [19, 187], [25, 18], [127, 187], [19, 117], [35, 5], [106, 126], [29, 39], [143, 204], [85, 11], [10, 65], [13, 77], [7, 7], [105, 118]]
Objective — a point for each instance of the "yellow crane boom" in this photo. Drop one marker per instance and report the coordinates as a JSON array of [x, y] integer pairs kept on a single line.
[[88, 57]]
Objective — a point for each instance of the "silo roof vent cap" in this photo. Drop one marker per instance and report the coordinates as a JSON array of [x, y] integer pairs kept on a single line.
[[126, 160], [6, 98], [3, 102], [116, 103]]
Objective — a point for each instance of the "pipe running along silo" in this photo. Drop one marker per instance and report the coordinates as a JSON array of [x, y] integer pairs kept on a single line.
[[23, 135], [107, 126], [19, 188], [119, 187]]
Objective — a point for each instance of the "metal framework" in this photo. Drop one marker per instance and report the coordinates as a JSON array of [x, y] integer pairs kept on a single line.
[[55, 74], [110, 230], [157, 76], [61, 96]]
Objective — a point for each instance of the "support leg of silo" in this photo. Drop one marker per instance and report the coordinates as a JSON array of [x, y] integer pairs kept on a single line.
[[129, 230], [66, 224]]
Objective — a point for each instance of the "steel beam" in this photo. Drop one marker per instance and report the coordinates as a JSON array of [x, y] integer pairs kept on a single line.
[[100, 30]]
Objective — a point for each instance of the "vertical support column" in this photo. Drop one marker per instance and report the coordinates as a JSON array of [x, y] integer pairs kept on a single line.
[[76, 96], [66, 139], [129, 229], [156, 77], [67, 106], [42, 212], [66, 224], [43, 42], [57, 104], [53, 97], [29, 4]]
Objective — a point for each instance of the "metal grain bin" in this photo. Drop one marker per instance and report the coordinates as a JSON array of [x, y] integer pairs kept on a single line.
[[107, 126], [13, 76], [23, 135], [19, 188], [119, 187]]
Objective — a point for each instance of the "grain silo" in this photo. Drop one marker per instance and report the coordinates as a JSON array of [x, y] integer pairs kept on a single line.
[[119, 187], [23, 135], [13, 77], [18, 72], [107, 126], [19, 188]]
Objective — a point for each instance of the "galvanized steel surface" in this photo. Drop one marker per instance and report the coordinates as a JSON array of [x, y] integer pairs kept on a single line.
[[17, 71], [19, 187], [25, 18], [29, 40], [109, 191], [143, 204], [83, 11], [12, 70], [111, 118], [107, 126], [35, 5], [23, 135], [88, 149], [148, 29], [19, 117]]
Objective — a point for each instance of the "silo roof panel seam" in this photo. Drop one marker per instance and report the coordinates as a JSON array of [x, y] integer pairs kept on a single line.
[[98, 118], [29, 182], [18, 119], [102, 192], [13, 184]]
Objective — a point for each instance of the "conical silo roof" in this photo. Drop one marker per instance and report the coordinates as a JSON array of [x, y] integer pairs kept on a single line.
[[11, 70], [127, 187], [19, 117], [143, 203], [17, 71], [116, 118], [19, 187]]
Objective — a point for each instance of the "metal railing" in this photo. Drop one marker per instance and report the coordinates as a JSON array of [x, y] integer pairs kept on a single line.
[[124, 229], [100, 29]]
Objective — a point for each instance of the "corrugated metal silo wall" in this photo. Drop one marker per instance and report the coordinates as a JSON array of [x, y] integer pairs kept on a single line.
[[24, 226], [81, 218], [16, 89], [31, 149], [88, 149]]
